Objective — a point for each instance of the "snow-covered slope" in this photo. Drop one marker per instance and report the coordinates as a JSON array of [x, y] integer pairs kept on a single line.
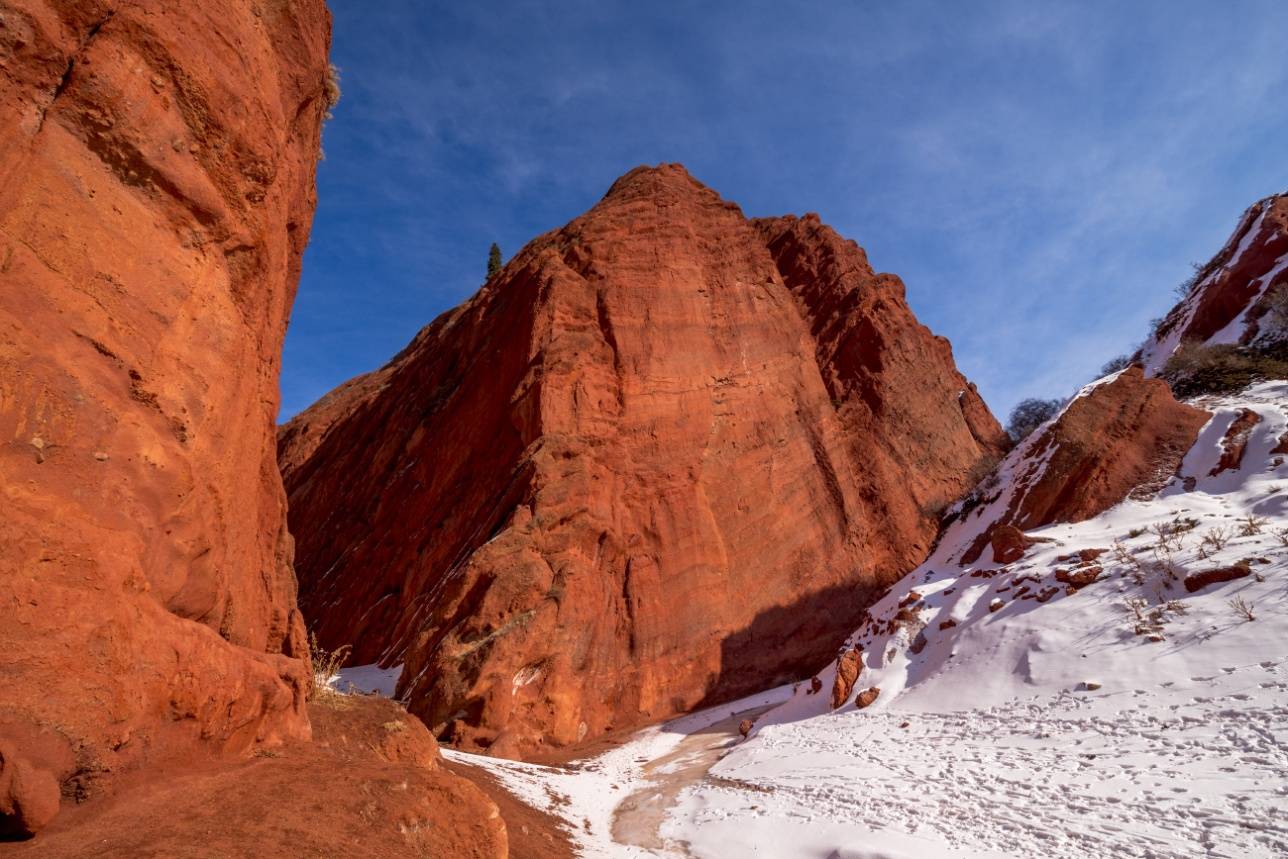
[[1022, 715]]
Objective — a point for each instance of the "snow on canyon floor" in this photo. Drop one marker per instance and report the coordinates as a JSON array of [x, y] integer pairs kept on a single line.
[[1017, 717]]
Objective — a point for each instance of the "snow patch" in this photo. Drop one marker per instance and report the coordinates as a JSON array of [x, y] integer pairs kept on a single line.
[[366, 680]]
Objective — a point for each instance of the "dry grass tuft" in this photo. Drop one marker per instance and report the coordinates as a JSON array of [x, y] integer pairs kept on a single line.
[[331, 89], [326, 664], [1252, 525]]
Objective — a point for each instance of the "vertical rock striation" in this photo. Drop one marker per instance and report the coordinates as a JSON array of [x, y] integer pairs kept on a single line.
[[156, 191]]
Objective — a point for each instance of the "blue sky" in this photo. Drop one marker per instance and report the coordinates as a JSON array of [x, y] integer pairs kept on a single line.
[[1040, 174]]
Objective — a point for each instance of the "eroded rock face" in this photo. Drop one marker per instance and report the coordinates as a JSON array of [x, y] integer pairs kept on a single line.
[[1122, 436], [156, 192], [1229, 301], [664, 458], [1235, 442], [848, 666]]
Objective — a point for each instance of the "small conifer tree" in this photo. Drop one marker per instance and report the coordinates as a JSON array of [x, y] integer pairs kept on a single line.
[[493, 260]]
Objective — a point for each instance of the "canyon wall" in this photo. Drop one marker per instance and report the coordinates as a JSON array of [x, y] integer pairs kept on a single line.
[[156, 192]]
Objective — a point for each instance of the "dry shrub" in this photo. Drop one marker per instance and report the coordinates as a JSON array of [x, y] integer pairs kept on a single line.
[[1196, 369], [1242, 609], [1252, 525], [331, 89], [326, 664], [1216, 537]]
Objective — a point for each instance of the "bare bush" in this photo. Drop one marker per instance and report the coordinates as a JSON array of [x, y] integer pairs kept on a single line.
[[1252, 525], [1165, 561], [331, 89], [326, 664], [1113, 365], [1195, 369], [1185, 287], [1151, 622], [1242, 609], [1171, 536], [1124, 557], [1216, 537]]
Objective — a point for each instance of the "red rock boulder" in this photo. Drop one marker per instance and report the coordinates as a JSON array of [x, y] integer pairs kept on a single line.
[[848, 666], [1079, 577], [156, 191], [1198, 581], [664, 458], [29, 797], [1126, 435], [1009, 544], [867, 698]]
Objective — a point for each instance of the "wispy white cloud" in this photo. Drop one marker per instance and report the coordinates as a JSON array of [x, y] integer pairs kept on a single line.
[[1039, 172]]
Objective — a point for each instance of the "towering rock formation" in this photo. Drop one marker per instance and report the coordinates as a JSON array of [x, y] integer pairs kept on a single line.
[[664, 458], [156, 193], [1229, 298]]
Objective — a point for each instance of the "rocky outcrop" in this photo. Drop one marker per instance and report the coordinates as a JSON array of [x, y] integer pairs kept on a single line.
[[1235, 442], [848, 666], [1080, 576], [156, 193], [1009, 544], [665, 457], [371, 784], [29, 797], [1228, 302], [1121, 436]]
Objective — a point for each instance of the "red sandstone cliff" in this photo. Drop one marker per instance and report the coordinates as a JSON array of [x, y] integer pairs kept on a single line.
[[1228, 300], [664, 458], [156, 193], [1122, 436]]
